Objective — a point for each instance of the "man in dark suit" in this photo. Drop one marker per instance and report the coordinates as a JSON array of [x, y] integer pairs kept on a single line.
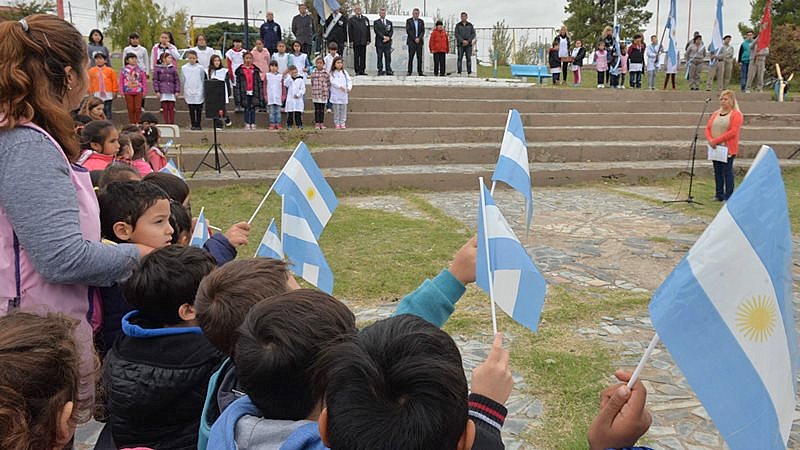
[[415, 30], [338, 32], [358, 32], [383, 42]]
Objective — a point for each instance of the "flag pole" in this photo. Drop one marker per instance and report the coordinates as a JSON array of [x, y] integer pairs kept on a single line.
[[488, 261], [645, 357], [268, 227], [264, 200]]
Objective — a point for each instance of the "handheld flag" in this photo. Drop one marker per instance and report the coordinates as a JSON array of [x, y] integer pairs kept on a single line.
[[270, 246], [716, 33], [200, 232], [503, 267], [512, 166], [172, 168], [302, 180], [325, 8], [616, 70], [765, 33], [726, 314], [672, 50], [302, 249]]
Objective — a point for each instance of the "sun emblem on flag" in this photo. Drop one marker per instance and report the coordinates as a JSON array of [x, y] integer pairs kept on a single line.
[[756, 318], [311, 193]]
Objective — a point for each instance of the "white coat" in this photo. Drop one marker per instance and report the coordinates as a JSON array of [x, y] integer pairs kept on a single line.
[[274, 88], [296, 89], [194, 75], [341, 85]]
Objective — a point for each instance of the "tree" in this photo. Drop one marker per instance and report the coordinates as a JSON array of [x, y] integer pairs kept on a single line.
[[372, 6], [524, 50], [126, 16], [215, 32], [587, 18], [783, 12], [501, 43], [23, 8], [177, 24], [785, 49]]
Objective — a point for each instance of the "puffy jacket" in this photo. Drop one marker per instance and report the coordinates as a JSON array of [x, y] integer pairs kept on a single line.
[[636, 53], [156, 380], [438, 42], [166, 80], [240, 88]]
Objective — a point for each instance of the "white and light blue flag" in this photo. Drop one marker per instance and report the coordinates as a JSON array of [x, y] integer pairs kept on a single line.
[[172, 168], [200, 232], [301, 248], [616, 69], [301, 179], [716, 33], [519, 288], [512, 167], [270, 246], [726, 314], [672, 50], [325, 8]]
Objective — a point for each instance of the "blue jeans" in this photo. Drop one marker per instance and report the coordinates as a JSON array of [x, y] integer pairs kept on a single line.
[[249, 110], [745, 67], [723, 178], [464, 51], [636, 79], [274, 114], [107, 108]]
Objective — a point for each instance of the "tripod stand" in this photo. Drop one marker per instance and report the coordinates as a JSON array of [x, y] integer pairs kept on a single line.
[[217, 151], [689, 199]]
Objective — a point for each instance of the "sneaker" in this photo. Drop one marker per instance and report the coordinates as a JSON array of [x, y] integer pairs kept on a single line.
[[599, 86], [338, 127], [228, 122], [328, 110], [252, 126], [747, 91], [278, 127], [344, 126]]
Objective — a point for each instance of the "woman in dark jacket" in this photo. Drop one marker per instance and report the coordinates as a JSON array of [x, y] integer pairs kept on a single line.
[[611, 50]]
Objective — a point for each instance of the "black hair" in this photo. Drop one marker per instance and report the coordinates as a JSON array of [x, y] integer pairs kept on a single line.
[[727, 36], [129, 56], [95, 176], [191, 52], [138, 144], [279, 341], [99, 55], [439, 22], [211, 67], [96, 132], [82, 118], [163, 57], [133, 35], [148, 117], [167, 279], [273, 63], [126, 201], [116, 172], [198, 37], [235, 40], [179, 220], [291, 67], [98, 32], [174, 186], [398, 385], [331, 46], [638, 36], [151, 136], [169, 34]]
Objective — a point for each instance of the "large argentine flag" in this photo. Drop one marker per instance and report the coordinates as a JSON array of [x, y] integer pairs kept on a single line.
[[200, 232], [512, 166], [616, 70], [518, 288], [270, 246], [302, 249], [325, 8], [672, 51], [716, 34], [302, 180], [725, 314]]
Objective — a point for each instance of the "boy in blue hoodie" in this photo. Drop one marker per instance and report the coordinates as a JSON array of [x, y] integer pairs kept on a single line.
[[156, 373]]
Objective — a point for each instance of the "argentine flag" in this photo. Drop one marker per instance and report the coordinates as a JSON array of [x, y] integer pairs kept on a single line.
[[672, 51], [616, 70], [512, 166], [302, 180], [518, 287], [172, 168], [200, 232], [726, 315], [325, 8], [716, 34], [302, 249], [270, 246]]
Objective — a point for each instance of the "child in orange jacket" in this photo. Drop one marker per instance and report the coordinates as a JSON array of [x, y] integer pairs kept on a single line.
[[439, 45], [103, 82]]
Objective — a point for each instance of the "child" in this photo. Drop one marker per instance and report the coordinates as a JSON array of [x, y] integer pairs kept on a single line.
[[166, 44], [261, 58], [234, 58], [139, 157], [623, 66], [248, 89], [194, 75], [125, 152], [615, 69], [133, 85], [117, 172], [299, 59], [167, 85], [96, 46], [93, 108], [578, 54], [155, 156], [163, 345], [204, 52], [333, 48], [439, 44], [100, 141], [281, 58], [341, 85], [651, 54], [295, 89], [103, 83], [142, 58], [636, 55], [216, 71], [555, 63], [320, 92], [39, 381], [275, 88], [601, 64]]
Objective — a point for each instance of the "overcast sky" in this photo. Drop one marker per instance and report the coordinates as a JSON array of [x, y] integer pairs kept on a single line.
[[533, 13]]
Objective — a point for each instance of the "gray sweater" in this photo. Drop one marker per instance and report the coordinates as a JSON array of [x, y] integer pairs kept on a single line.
[[42, 206]]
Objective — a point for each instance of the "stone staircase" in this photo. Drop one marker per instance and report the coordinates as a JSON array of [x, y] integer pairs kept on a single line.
[[442, 134]]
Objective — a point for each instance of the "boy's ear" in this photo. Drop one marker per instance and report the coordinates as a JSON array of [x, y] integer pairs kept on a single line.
[[323, 427], [468, 438], [65, 427], [186, 312], [122, 231]]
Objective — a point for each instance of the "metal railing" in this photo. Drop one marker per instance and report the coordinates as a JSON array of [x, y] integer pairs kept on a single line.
[[538, 39]]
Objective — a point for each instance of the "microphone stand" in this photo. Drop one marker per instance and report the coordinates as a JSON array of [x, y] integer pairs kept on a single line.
[[689, 199], [217, 147]]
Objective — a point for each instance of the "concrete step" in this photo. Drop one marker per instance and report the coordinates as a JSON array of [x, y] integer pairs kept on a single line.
[[480, 119], [375, 137], [477, 153], [465, 176]]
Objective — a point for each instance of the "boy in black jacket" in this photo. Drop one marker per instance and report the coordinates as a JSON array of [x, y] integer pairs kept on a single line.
[[555, 63], [156, 374]]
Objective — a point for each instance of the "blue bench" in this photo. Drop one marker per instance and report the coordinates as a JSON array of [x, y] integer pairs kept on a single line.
[[525, 70]]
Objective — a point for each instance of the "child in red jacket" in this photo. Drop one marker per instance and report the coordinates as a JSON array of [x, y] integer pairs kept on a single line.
[[439, 45]]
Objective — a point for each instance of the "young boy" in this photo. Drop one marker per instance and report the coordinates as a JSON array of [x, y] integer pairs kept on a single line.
[[555, 63], [103, 83], [333, 52], [295, 90], [194, 75], [156, 374], [235, 58], [320, 92], [282, 58]]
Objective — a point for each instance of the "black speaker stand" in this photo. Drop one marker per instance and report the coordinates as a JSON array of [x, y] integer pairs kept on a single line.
[[217, 147]]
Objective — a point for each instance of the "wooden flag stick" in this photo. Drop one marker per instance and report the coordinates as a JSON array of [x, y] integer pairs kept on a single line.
[[645, 357], [488, 261]]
